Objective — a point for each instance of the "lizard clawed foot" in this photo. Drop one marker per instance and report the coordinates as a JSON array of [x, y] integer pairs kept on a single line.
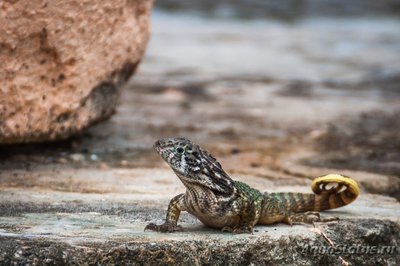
[[238, 230], [167, 227], [310, 217]]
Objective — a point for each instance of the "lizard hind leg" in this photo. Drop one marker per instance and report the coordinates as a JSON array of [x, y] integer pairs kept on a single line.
[[168, 226], [309, 217]]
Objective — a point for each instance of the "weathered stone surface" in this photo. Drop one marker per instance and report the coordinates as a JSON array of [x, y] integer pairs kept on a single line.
[[62, 63], [92, 216]]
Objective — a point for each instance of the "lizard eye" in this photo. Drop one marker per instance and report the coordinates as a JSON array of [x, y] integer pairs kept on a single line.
[[180, 150]]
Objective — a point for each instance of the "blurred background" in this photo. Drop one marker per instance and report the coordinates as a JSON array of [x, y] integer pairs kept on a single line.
[[257, 82]]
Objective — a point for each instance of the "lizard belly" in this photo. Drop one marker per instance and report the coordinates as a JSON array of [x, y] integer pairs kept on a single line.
[[215, 221]]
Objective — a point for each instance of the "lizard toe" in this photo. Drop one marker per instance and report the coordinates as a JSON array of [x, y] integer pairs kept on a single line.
[[238, 230], [170, 228], [152, 227]]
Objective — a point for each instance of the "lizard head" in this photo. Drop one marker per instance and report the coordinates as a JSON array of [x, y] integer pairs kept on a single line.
[[193, 164], [180, 153]]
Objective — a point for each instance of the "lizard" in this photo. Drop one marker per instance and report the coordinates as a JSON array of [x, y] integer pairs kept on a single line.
[[220, 202]]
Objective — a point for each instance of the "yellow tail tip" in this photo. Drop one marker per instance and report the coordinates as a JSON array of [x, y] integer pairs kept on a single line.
[[350, 183]]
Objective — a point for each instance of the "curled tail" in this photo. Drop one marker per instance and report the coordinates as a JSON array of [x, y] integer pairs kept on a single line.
[[344, 191]]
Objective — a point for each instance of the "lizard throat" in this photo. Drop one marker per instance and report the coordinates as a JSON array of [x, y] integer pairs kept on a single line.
[[218, 186]]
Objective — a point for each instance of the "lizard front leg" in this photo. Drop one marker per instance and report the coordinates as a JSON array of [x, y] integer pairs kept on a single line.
[[176, 205], [248, 217], [245, 226]]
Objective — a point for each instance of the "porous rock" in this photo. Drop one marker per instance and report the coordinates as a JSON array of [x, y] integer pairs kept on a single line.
[[62, 63]]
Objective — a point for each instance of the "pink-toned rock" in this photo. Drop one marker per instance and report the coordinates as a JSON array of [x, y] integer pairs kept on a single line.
[[62, 63]]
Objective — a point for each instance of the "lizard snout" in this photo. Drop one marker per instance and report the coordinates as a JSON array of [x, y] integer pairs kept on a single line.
[[157, 145]]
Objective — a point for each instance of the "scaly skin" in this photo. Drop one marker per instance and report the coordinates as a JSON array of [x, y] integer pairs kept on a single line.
[[221, 202]]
